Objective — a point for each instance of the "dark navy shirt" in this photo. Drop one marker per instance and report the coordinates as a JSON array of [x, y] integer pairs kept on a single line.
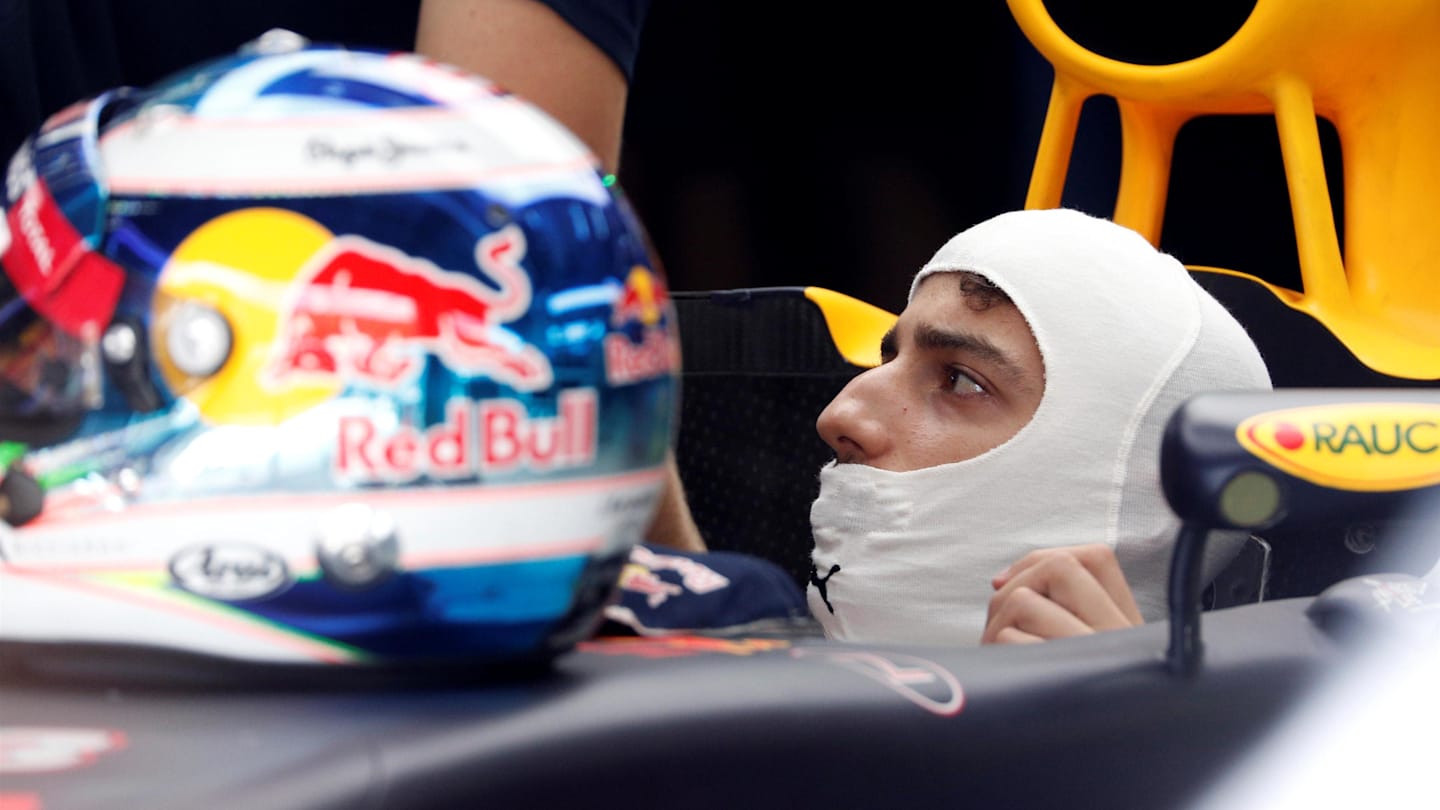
[[664, 591]]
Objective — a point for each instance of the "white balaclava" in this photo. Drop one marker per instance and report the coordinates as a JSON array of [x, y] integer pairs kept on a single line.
[[1126, 335]]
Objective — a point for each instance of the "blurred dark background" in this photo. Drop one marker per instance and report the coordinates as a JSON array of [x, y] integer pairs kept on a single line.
[[841, 150], [837, 149]]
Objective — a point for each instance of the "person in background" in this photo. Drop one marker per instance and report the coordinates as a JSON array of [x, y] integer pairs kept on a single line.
[[575, 61]]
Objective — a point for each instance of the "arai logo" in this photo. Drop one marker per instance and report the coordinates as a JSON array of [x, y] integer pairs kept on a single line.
[[231, 572]]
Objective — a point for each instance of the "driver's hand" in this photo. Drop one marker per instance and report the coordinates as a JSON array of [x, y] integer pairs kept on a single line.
[[1058, 592]]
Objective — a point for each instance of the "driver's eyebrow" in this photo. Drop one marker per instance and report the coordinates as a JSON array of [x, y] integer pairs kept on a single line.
[[929, 336], [888, 349]]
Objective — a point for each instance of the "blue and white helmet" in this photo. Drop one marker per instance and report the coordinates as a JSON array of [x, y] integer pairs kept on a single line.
[[323, 355]]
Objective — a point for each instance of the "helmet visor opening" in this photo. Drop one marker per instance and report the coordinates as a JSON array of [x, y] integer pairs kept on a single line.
[[49, 378]]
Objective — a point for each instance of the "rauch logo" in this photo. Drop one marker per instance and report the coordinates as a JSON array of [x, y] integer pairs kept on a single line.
[[1366, 447]]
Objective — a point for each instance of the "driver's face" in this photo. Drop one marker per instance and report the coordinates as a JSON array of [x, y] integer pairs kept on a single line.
[[954, 382]]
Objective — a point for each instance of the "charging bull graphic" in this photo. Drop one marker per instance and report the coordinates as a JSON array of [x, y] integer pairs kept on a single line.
[[360, 308]]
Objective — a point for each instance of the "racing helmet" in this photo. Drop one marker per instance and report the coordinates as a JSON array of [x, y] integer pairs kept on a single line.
[[322, 355]]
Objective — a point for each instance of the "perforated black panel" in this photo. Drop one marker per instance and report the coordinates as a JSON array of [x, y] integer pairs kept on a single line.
[[759, 365], [1299, 351]]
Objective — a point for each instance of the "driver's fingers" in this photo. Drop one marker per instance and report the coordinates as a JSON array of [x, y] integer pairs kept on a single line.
[[1036, 616], [1011, 635], [1064, 580], [1096, 558]]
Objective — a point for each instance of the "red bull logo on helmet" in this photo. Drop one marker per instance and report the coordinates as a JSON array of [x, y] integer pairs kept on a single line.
[[643, 301], [361, 310]]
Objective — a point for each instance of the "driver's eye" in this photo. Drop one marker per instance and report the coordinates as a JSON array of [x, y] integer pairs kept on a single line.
[[962, 383]]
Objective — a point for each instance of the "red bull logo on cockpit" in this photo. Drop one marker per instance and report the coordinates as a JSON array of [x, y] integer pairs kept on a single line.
[[362, 311]]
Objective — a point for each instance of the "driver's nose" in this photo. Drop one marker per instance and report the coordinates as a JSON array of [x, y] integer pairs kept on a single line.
[[854, 423]]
